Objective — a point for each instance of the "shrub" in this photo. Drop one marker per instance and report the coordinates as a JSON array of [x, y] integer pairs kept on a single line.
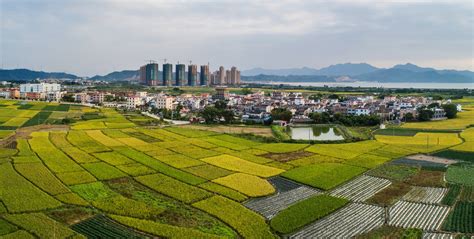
[[304, 212]]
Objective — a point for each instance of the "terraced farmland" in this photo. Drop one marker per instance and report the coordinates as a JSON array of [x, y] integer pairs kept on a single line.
[[175, 183], [417, 215], [361, 189], [353, 219]]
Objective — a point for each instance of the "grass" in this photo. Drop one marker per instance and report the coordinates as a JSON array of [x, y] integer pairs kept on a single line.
[[324, 175], [249, 185], [239, 165], [305, 212], [247, 223]]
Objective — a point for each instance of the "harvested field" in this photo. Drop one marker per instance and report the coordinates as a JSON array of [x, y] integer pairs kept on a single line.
[[390, 194], [427, 178]]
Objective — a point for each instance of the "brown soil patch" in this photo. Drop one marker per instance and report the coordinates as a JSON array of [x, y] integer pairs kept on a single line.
[[390, 194], [427, 178], [72, 215], [285, 157]]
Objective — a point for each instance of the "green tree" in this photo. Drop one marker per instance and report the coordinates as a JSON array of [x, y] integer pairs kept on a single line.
[[210, 114], [424, 114], [281, 114], [409, 117], [451, 110]]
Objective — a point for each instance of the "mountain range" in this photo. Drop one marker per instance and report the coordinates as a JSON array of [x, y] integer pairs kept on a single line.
[[359, 72], [339, 72]]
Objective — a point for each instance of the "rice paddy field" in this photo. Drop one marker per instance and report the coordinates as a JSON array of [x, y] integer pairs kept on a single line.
[[107, 176]]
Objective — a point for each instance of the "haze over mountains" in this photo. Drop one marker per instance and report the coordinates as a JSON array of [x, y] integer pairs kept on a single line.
[[339, 72]]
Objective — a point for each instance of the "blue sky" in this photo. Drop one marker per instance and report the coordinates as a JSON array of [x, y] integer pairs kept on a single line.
[[88, 37]]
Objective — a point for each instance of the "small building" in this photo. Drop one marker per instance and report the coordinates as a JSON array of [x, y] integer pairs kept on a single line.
[[222, 93]]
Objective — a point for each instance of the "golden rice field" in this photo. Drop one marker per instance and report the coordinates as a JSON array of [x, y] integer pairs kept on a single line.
[[463, 120]]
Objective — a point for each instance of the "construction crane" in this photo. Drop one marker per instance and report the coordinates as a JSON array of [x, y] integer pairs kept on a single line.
[[150, 61]]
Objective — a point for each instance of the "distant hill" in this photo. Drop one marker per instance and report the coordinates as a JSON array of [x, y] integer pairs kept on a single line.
[[347, 69], [28, 75], [364, 72], [126, 75]]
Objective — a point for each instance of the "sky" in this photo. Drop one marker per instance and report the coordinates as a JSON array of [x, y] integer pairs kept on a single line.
[[89, 37]]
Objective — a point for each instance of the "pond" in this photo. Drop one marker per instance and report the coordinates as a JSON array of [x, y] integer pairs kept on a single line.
[[319, 133]]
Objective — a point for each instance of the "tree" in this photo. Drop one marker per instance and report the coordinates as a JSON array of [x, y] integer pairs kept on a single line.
[[320, 118], [433, 105], [281, 114], [409, 117], [210, 114], [451, 110], [68, 98], [424, 114], [109, 98], [246, 91], [220, 104]]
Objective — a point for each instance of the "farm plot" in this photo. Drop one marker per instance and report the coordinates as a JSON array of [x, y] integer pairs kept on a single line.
[[461, 219], [461, 174], [42, 226], [239, 165], [270, 206], [102, 227], [248, 223], [82, 140], [282, 184], [361, 188], [249, 185], [19, 195], [425, 194], [437, 235], [417, 215], [354, 219], [323, 175], [281, 147]]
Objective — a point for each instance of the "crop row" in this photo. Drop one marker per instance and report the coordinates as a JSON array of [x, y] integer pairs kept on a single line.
[[417, 215], [425, 194], [270, 206], [354, 219], [361, 189], [461, 218]]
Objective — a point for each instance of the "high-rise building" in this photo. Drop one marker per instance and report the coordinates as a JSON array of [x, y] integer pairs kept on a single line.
[[180, 74], [143, 75], [227, 77], [149, 74], [237, 80], [221, 76], [167, 74], [233, 75], [192, 75], [204, 77]]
